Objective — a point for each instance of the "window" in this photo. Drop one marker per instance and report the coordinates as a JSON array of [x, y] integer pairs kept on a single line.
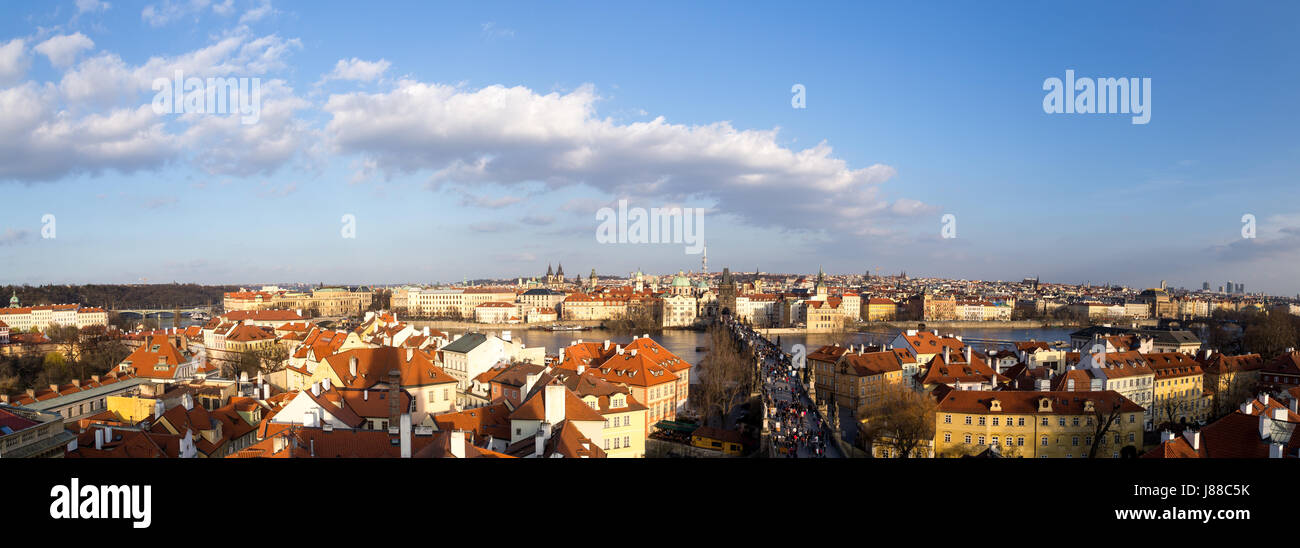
[[947, 419], [1021, 421], [1044, 421], [967, 438], [967, 419], [1074, 441], [981, 440], [947, 437], [981, 421], [1020, 441], [995, 423], [1044, 441], [1060, 421]]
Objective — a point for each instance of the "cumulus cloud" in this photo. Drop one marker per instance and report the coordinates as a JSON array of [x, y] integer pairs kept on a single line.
[[513, 136], [99, 116], [38, 143], [356, 69], [13, 60], [63, 49]]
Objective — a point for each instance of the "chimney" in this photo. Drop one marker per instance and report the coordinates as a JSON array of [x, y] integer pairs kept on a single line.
[[458, 444], [1069, 385], [352, 366], [315, 389], [426, 331], [99, 438], [633, 351], [539, 441], [529, 380], [1264, 430], [1280, 415], [967, 352], [1275, 450], [325, 384], [561, 353], [554, 403], [606, 347], [1293, 405], [365, 394], [406, 435], [945, 354], [410, 354], [1166, 436], [158, 408], [1193, 438]]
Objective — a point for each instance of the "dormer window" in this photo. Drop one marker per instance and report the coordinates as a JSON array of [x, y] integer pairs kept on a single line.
[[995, 405]]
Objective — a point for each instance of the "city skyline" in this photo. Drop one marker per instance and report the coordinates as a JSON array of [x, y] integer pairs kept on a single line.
[[480, 141]]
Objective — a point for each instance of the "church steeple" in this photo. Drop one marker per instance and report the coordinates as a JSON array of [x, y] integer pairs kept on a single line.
[[13, 301]]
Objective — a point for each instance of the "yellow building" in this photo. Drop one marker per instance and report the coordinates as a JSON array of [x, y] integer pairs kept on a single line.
[[879, 310], [1036, 424], [1179, 394], [130, 409], [855, 379], [1230, 380]]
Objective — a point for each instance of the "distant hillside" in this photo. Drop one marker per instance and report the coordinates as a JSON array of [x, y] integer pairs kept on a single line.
[[119, 296]]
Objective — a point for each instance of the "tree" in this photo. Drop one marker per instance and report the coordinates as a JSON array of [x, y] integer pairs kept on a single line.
[[901, 419], [1104, 415], [1271, 336], [726, 375]]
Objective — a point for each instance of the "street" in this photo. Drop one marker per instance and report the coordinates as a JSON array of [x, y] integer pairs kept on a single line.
[[797, 428]]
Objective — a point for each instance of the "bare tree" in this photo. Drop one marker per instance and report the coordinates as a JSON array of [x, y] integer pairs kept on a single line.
[[726, 375], [1104, 415], [901, 419]]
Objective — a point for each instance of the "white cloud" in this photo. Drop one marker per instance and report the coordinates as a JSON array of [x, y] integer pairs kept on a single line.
[[99, 116], [13, 61], [224, 8], [256, 14], [63, 49], [356, 69], [513, 136], [491, 30], [38, 142], [89, 6], [169, 11], [105, 78]]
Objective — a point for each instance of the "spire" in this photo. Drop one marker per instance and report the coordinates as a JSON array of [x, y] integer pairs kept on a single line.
[[549, 271]]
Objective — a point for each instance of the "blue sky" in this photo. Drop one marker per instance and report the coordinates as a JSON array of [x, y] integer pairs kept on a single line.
[[927, 109]]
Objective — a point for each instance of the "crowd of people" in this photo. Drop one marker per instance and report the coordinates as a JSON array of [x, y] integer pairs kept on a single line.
[[794, 424]]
